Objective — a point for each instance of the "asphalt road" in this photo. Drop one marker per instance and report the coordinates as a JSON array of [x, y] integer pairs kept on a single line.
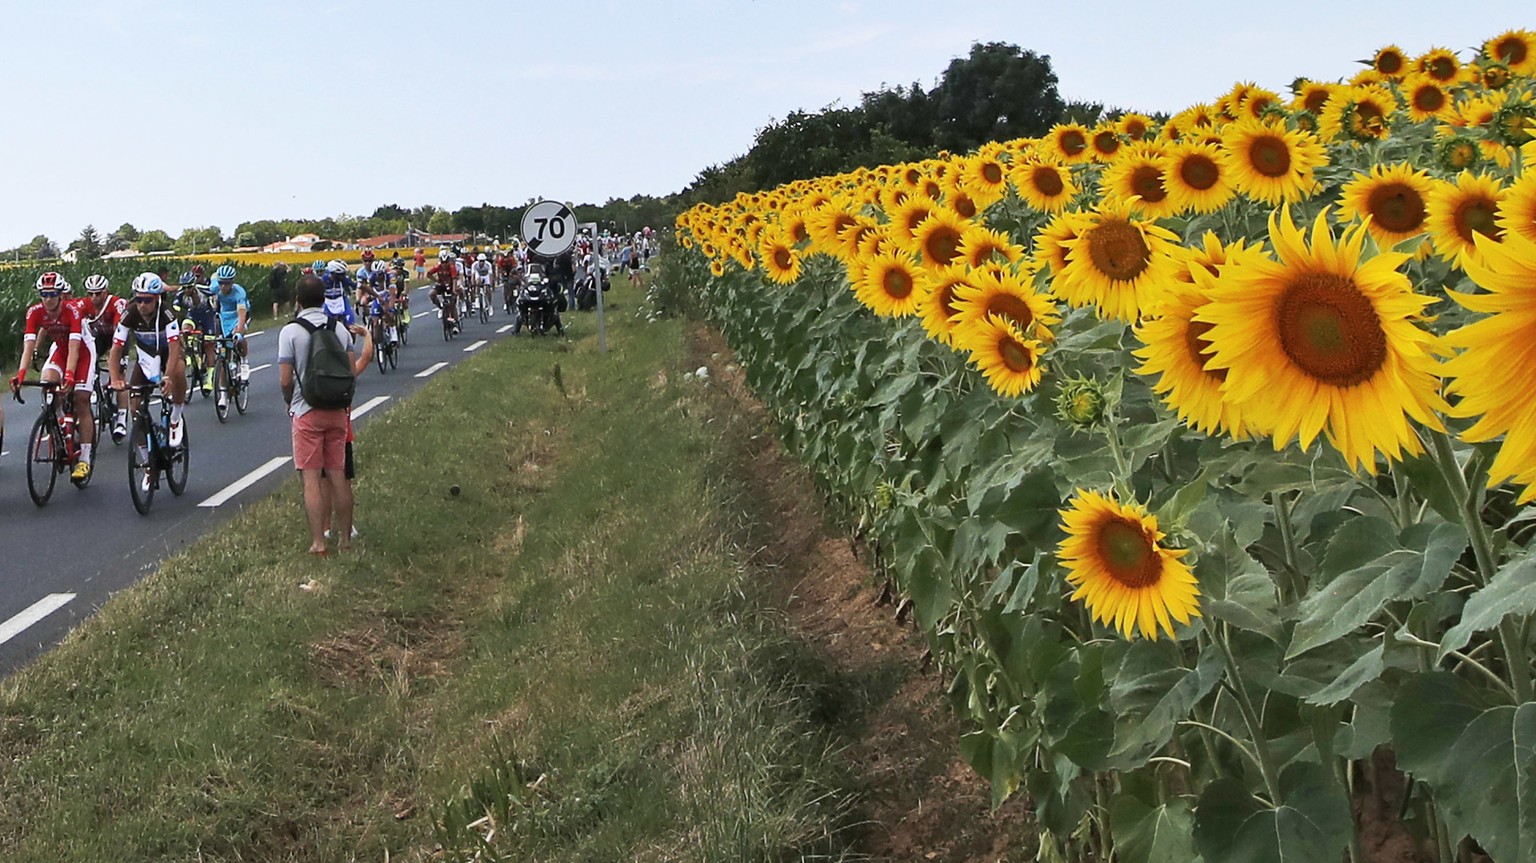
[[61, 562]]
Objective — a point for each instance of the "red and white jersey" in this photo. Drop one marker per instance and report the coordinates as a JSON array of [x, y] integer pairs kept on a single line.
[[104, 322], [59, 330]]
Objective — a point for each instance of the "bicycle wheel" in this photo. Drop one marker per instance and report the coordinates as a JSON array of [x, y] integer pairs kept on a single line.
[[393, 352], [43, 450], [141, 464], [447, 329], [242, 393], [378, 354], [221, 392], [485, 307], [178, 459]]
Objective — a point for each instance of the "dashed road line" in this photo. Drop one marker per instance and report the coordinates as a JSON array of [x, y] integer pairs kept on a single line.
[[368, 406], [245, 482], [32, 614], [476, 346], [505, 328], [431, 370]]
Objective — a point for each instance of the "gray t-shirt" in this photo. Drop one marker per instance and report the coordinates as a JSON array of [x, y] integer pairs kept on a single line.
[[293, 349]]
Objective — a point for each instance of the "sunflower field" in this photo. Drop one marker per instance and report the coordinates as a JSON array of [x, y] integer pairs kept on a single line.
[[1200, 449]]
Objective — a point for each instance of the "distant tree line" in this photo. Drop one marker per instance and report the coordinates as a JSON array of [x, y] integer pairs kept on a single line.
[[997, 92]]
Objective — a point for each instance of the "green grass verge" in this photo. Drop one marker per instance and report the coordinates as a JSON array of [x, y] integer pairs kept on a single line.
[[561, 662]]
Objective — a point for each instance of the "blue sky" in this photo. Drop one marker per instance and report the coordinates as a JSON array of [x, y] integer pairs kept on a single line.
[[184, 113]]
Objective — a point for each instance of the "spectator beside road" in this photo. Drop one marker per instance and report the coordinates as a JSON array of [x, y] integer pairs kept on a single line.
[[421, 264], [278, 283], [319, 433]]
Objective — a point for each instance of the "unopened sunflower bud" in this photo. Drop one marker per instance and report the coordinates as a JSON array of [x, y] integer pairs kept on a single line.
[[1081, 402]]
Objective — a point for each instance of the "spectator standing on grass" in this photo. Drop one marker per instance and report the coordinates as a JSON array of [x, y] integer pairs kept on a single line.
[[634, 267], [421, 264], [278, 283], [319, 433]]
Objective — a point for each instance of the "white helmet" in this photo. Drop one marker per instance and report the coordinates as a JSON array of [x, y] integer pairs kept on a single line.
[[443, 254], [480, 257], [148, 283], [336, 267]]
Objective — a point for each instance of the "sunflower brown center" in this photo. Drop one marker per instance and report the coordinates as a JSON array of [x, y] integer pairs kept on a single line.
[[1147, 181], [913, 176], [1118, 250], [962, 204], [1073, 142], [1135, 130], [842, 222], [946, 299], [991, 173], [782, 259], [1049, 182], [941, 245], [1396, 207], [1014, 355], [1476, 215], [1106, 142], [1011, 307], [1270, 156], [1330, 330], [1194, 339], [1199, 172], [897, 283], [915, 217], [1429, 99], [797, 230], [1511, 51], [1128, 554], [1315, 101], [1389, 63]]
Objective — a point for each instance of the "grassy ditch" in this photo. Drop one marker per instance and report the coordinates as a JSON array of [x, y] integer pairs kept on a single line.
[[561, 661]]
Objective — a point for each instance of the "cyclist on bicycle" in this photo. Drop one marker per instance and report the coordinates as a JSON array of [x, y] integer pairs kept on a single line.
[[483, 274], [71, 359], [102, 312], [200, 274], [444, 294], [194, 309], [234, 315], [151, 324], [338, 289]]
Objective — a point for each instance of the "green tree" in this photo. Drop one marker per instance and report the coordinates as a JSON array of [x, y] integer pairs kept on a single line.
[[41, 248], [154, 241], [439, 223], [198, 240], [88, 245], [997, 93], [122, 238]]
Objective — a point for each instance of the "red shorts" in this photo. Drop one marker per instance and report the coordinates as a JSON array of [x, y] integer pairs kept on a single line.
[[85, 364], [320, 440]]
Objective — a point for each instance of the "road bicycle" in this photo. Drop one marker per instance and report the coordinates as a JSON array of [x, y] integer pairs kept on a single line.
[[387, 355], [228, 386], [104, 401], [54, 443], [403, 305], [150, 454], [197, 363], [483, 302]]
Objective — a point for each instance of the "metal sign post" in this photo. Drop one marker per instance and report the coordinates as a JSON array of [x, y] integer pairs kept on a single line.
[[598, 270]]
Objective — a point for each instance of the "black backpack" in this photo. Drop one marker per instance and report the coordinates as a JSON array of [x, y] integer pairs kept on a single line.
[[327, 381]]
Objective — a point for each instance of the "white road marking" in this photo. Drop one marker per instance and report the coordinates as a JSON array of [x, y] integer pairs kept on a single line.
[[33, 613], [368, 406], [255, 334], [476, 346], [431, 370], [255, 369], [504, 329], [246, 481]]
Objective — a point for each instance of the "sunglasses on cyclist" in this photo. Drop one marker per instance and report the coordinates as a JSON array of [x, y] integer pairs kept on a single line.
[[48, 295], [148, 299]]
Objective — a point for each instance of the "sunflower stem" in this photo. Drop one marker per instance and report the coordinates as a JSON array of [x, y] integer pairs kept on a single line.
[[1510, 635], [1264, 757], [1403, 498], [1294, 583], [1122, 467]]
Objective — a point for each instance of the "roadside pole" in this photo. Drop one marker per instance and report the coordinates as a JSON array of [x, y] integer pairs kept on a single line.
[[598, 271]]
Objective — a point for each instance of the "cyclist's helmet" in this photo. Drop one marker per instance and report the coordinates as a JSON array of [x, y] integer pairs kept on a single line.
[[187, 279], [197, 270], [480, 257], [443, 254], [367, 254], [225, 273], [148, 283], [336, 267], [51, 281], [318, 266], [96, 283]]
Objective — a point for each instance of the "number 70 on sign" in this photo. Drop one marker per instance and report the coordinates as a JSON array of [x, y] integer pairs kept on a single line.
[[549, 227]]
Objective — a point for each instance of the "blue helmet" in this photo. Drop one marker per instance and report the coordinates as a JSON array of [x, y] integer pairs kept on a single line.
[[188, 279], [225, 273]]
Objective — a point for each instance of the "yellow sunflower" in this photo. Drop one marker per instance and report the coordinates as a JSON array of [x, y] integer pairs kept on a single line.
[[992, 292], [936, 307], [1052, 250], [1270, 163], [1498, 351], [1256, 102], [1460, 210], [1175, 351], [1196, 178], [1517, 211], [1114, 557], [906, 218], [1427, 99], [781, 262], [1134, 126], [1323, 341], [1312, 96], [981, 245], [984, 178], [1007, 358], [1104, 143], [960, 200], [1045, 186], [1358, 115], [1117, 262], [1394, 197], [1068, 142], [826, 225], [1439, 64], [855, 237], [1138, 174], [1513, 48], [937, 238], [889, 286], [1390, 62], [716, 268]]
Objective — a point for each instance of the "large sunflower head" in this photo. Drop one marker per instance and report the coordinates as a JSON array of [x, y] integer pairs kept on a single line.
[[910, 214], [1427, 98], [1117, 263], [889, 285], [1069, 143], [960, 200], [1325, 341], [1390, 62], [937, 308], [1312, 96], [781, 263], [1114, 556], [1440, 65], [1460, 210], [1515, 49], [1134, 126], [1362, 114], [1517, 211], [937, 238], [991, 292], [855, 238], [826, 224], [1395, 198], [1196, 177], [1270, 163], [984, 177], [1490, 348], [1006, 356], [1052, 244], [980, 246], [1104, 142], [1138, 175], [1044, 185], [1176, 352]]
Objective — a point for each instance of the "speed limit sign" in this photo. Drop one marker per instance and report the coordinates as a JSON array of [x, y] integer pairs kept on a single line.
[[549, 228]]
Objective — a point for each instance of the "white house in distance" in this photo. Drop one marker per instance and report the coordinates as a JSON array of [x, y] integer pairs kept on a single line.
[[302, 243]]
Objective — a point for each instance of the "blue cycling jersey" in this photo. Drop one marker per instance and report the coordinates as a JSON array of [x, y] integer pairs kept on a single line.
[[229, 305]]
